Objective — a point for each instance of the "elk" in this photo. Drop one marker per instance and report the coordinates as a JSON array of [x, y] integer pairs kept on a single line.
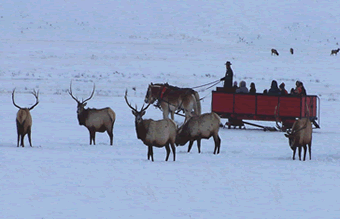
[[291, 51], [24, 119], [299, 136], [200, 127], [335, 51], [95, 120], [158, 133], [274, 52]]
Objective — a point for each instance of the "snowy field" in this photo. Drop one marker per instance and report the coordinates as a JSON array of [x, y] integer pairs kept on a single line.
[[121, 45]]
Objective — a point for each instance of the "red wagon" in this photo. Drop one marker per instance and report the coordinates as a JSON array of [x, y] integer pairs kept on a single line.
[[262, 107]]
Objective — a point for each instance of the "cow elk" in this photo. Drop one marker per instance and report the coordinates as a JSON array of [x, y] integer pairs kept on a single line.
[[95, 120], [200, 127], [335, 51], [24, 120], [300, 136], [154, 133], [274, 52]]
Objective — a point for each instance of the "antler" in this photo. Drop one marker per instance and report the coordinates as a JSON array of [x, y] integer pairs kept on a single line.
[[13, 99], [36, 95], [94, 87], [135, 109], [127, 102], [70, 93], [83, 101]]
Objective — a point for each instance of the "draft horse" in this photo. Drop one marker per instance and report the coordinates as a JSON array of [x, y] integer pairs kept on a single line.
[[171, 99]]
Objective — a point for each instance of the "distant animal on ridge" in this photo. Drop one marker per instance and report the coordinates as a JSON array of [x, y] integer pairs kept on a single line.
[[335, 51], [200, 127], [24, 120], [158, 133], [95, 120], [274, 52], [291, 51]]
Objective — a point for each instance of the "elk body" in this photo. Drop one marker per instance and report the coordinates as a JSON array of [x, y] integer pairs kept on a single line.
[[200, 127], [24, 120], [95, 120], [161, 133], [301, 136], [335, 51], [274, 52]]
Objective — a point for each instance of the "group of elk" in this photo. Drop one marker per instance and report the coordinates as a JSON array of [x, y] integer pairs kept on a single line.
[[164, 133]]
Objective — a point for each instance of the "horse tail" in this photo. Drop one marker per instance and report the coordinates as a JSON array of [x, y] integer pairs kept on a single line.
[[198, 102]]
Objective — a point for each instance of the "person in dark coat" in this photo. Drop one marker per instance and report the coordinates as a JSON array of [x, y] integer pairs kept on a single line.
[[274, 90], [228, 78], [252, 88], [283, 89]]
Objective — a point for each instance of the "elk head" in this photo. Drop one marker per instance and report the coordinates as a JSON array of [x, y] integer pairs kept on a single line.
[[135, 112], [35, 94], [81, 104]]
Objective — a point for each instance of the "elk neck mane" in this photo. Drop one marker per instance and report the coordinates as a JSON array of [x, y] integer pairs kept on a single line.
[[142, 128]]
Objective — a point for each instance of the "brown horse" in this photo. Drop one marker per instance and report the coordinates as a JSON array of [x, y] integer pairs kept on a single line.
[[171, 99]]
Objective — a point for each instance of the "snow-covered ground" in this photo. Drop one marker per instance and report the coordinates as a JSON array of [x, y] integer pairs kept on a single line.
[[121, 45]]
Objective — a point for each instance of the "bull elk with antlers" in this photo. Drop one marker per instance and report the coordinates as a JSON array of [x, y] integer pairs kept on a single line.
[[24, 120], [300, 135], [154, 133], [95, 120]]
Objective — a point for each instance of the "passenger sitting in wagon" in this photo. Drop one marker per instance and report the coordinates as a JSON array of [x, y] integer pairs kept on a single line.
[[274, 90], [282, 89], [242, 88], [299, 90], [252, 88]]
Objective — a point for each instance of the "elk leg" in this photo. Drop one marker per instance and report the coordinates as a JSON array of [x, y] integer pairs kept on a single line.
[[111, 136], [167, 148], [300, 148], [294, 150], [18, 140], [217, 141], [304, 152], [22, 140], [199, 145], [92, 136], [190, 145], [29, 136], [173, 148], [310, 150], [151, 152]]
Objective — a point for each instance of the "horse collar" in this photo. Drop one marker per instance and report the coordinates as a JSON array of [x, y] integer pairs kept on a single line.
[[162, 92]]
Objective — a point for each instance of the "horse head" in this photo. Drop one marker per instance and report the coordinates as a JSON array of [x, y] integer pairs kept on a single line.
[[151, 94]]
